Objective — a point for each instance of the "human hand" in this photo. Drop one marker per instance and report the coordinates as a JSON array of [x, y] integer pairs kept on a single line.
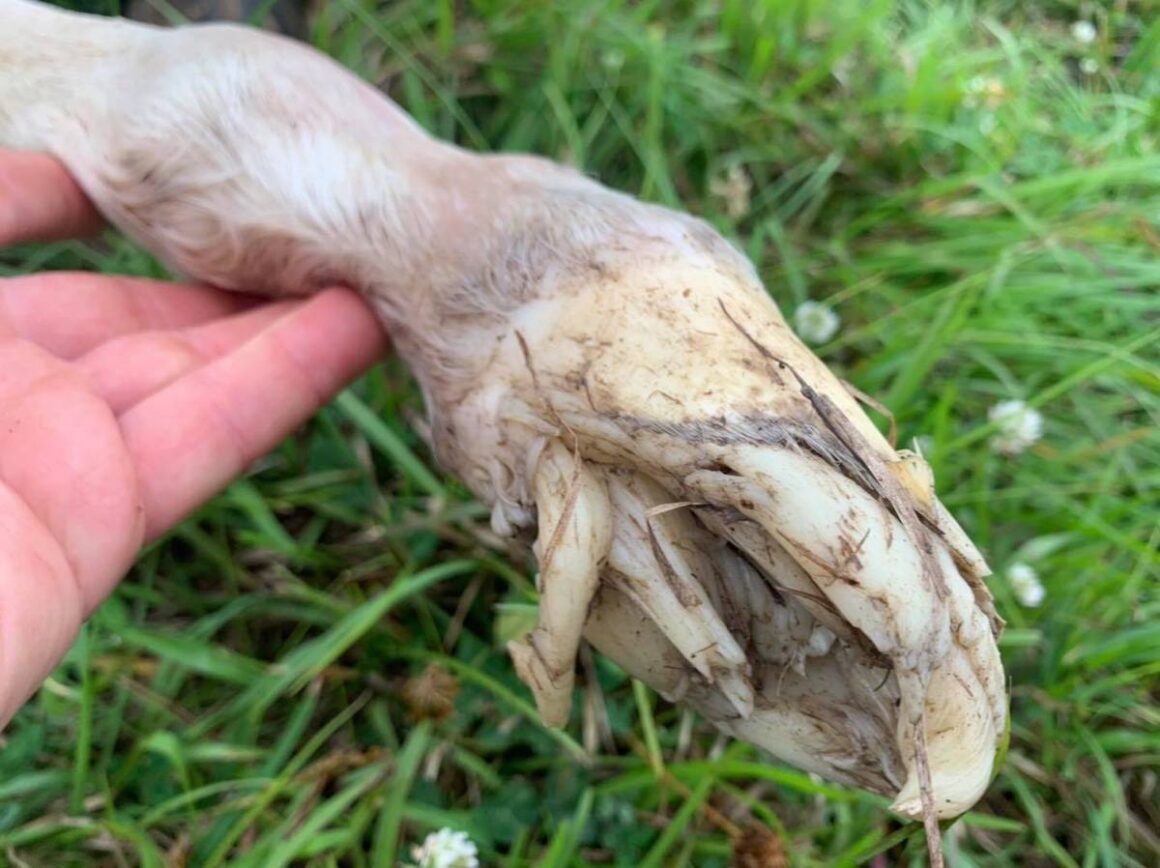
[[125, 404]]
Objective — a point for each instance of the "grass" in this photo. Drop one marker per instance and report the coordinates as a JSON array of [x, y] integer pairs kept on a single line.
[[310, 671]]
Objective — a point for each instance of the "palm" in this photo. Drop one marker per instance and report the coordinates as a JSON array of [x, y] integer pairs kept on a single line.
[[124, 404]]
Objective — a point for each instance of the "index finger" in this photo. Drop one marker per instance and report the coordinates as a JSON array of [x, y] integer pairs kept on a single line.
[[39, 200], [190, 439]]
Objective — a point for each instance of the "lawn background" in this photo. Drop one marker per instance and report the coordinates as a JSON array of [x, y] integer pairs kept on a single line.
[[973, 188]]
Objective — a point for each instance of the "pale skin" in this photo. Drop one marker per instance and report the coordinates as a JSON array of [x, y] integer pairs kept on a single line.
[[124, 405]]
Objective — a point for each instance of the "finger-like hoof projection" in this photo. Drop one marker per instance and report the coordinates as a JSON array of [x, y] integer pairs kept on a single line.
[[575, 532], [653, 556]]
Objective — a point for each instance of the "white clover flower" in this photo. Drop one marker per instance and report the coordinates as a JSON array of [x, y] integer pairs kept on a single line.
[[815, 323], [1025, 584], [1083, 32], [1018, 426], [612, 59], [446, 848], [1089, 66]]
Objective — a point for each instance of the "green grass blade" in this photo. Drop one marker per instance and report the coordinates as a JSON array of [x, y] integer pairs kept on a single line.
[[387, 827]]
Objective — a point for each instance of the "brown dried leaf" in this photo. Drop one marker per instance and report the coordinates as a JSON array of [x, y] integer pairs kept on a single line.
[[431, 694], [759, 847]]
